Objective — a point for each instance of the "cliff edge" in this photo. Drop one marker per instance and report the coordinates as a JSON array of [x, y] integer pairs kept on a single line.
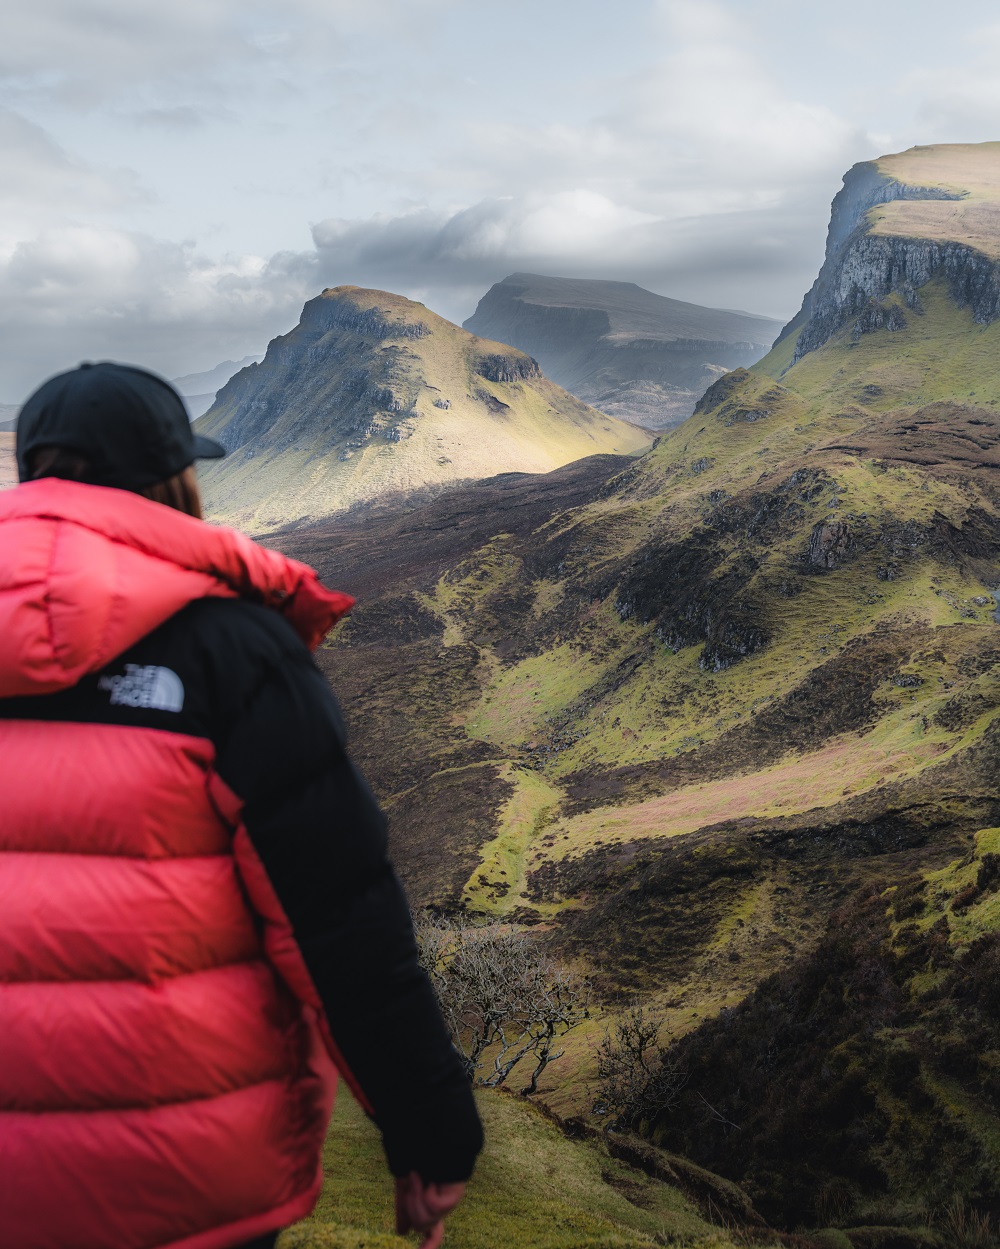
[[898, 223]]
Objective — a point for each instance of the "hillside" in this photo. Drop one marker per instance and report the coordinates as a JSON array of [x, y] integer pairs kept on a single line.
[[8, 460], [630, 353], [679, 712], [374, 396], [533, 1187]]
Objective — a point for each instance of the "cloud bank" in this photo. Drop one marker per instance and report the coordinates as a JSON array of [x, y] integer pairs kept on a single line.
[[401, 144]]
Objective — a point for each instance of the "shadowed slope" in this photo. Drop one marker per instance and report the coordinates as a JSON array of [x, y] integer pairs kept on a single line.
[[625, 350]]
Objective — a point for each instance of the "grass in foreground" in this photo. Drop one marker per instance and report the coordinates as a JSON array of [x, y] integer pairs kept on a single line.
[[533, 1187]]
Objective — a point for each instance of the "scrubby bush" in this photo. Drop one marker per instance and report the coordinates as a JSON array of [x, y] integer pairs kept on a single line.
[[504, 998], [636, 1080]]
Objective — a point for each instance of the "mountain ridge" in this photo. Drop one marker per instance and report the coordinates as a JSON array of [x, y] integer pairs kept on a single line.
[[889, 236], [624, 349]]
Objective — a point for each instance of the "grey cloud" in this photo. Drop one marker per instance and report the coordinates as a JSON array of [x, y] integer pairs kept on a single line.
[[85, 293], [449, 260]]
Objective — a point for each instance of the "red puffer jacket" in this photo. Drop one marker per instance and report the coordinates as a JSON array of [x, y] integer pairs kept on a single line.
[[163, 1081]]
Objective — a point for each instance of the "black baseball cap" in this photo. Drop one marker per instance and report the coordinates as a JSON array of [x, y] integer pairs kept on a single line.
[[130, 425]]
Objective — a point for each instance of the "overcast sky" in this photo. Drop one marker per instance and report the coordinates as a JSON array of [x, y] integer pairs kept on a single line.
[[178, 177]]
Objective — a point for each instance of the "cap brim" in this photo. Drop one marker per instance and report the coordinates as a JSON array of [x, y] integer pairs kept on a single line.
[[207, 448]]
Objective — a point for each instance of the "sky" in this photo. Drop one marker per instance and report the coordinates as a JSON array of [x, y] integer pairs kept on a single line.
[[178, 178]]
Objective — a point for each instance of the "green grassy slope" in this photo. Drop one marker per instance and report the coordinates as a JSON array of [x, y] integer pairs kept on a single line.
[[533, 1186], [751, 677], [892, 1022], [668, 691]]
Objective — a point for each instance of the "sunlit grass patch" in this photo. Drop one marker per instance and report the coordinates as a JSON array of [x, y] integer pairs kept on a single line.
[[497, 883]]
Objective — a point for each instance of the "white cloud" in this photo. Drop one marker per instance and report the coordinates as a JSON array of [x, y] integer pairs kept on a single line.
[[693, 147], [691, 179], [707, 175]]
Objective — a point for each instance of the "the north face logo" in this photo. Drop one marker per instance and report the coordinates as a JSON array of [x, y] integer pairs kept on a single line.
[[145, 685]]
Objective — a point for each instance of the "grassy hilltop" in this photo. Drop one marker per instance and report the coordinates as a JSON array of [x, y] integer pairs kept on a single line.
[[678, 713], [965, 170]]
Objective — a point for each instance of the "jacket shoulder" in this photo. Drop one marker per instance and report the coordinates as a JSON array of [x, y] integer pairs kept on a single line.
[[236, 629]]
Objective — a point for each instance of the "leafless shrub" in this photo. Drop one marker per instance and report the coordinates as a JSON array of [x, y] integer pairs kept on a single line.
[[635, 1076], [967, 1228], [503, 997]]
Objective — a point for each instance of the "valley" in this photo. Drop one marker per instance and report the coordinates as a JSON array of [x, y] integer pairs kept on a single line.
[[691, 717], [714, 720]]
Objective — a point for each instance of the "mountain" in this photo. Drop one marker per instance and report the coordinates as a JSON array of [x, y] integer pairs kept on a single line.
[[199, 389], [374, 396], [721, 723], [630, 353]]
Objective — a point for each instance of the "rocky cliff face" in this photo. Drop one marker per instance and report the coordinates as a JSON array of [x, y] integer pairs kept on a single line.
[[628, 352], [862, 269]]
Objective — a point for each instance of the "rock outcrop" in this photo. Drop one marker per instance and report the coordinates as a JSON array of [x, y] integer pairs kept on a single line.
[[628, 352], [863, 268]]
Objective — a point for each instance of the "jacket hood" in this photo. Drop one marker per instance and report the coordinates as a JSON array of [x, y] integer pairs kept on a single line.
[[86, 571]]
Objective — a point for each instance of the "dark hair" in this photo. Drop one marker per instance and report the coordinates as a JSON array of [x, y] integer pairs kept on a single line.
[[179, 492]]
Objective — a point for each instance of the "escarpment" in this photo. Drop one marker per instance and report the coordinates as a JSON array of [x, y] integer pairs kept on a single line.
[[871, 257], [872, 267]]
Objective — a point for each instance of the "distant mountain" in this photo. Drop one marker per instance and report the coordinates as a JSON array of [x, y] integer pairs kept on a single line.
[[374, 396], [199, 389], [630, 353]]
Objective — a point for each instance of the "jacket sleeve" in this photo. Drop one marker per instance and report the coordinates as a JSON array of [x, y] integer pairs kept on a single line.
[[322, 838]]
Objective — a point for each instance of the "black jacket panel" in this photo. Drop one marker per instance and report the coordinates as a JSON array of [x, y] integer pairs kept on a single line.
[[251, 687]]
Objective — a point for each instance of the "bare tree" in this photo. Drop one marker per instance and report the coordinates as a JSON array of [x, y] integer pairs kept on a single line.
[[503, 997], [635, 1076]]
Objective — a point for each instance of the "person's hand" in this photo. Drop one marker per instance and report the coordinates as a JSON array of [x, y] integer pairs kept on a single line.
[[422, 1207]]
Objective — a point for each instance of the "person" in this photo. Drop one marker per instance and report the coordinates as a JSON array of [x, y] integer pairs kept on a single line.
[[200, 927]]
